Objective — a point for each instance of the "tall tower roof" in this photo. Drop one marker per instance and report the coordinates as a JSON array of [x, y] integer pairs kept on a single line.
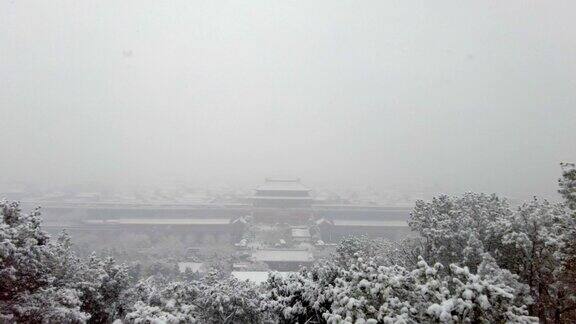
[[282, 184]]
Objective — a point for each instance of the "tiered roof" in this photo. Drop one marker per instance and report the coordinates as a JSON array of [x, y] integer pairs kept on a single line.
[[275, 184]]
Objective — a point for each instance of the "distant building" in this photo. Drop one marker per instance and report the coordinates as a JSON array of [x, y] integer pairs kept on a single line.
[[285, 204], [282, 193], [282, 201], [300, 234], [202, 231]]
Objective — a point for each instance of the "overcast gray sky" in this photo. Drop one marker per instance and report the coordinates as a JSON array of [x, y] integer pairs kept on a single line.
[[460, 95]]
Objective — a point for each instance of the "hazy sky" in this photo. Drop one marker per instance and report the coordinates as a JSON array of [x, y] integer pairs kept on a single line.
[[459, 95]]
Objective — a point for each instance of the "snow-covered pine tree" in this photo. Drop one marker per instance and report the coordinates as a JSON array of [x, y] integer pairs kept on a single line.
[[34, 272], [567, 184]]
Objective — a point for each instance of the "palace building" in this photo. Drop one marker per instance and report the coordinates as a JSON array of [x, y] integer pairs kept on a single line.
[[282, 193], [285, 203]]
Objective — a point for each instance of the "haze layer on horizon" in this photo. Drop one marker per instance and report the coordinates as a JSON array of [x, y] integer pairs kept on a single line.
[[459, 96]]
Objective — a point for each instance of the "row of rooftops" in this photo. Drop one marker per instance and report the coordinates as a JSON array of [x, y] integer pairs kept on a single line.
[[275, 184], [271, 193]]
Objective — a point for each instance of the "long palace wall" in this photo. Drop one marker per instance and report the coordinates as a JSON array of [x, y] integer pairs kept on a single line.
[[83, 218], [106, 211]]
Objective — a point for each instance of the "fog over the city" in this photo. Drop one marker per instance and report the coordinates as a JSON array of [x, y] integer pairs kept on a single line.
[[434, 94]]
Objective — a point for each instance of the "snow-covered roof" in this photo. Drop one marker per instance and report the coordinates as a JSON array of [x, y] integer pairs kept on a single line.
[[375, 223], [160, 221], [282, 185], [282, 256], [256, 277], [324, 221], [240, 220], [300, 232]]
